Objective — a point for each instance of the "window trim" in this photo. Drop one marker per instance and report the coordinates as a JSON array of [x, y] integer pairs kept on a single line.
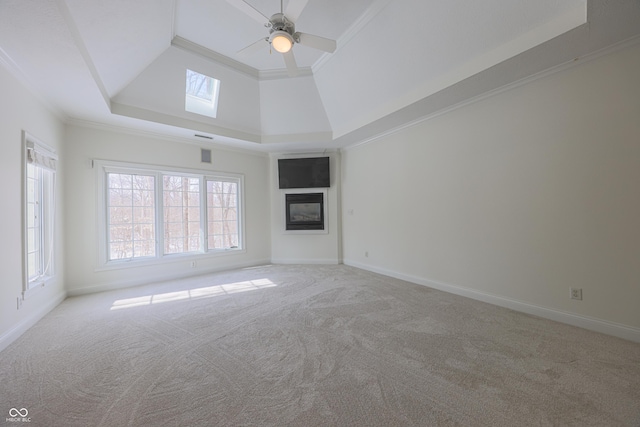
[[102, 167], [47, 157]]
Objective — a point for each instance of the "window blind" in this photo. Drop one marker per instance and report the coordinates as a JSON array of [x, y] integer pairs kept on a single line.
[[41, 157]]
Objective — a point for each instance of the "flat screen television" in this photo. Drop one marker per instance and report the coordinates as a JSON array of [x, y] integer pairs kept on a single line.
[[308, 172]]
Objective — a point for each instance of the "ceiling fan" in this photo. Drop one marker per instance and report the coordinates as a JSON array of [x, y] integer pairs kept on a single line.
[[282, 32]]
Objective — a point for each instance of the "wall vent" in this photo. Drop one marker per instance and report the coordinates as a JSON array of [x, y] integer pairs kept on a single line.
[[205, 155]]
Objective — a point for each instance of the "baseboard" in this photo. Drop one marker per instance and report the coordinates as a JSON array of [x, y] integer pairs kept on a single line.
[[590, 323], [13, 334], [123, 284], [327, 261]]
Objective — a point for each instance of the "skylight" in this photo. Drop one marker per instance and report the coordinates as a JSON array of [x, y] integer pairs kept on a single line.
[[201, 94]]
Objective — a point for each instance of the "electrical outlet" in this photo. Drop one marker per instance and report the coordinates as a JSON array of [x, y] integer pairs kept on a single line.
[[576, 293], [193, 264], [366, 254]]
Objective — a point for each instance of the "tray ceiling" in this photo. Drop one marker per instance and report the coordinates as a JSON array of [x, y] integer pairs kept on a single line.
[[121, 63]]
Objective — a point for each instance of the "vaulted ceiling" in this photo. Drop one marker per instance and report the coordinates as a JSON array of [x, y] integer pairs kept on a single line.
[[122, 63]]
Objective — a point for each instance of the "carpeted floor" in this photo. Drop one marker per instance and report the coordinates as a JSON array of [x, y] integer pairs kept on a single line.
[[311, 346]]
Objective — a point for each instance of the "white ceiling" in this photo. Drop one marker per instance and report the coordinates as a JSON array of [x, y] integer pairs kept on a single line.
[[121, 62], [222, 28]]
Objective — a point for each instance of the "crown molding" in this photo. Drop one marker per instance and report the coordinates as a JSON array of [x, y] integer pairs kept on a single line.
[[635, 40], [283, 74], [304, 153], [259, 75], [216, 141], [184, 123], [315, 137], [192, 47]]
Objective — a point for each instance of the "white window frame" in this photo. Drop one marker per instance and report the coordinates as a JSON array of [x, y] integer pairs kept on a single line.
[[202, 248], [44, 159], [238, 208], [107, 206], [103, 167]]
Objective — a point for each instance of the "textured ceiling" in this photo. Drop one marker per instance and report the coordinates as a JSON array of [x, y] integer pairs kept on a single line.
[[121, 63]]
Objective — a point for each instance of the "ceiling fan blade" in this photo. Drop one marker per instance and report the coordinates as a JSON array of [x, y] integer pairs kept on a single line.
[[294, 9], [317, 42], [290, 61], [249, 10], [253, 47]]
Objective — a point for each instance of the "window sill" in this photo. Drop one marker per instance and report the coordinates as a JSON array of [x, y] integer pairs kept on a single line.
[[35, 286], [166, 259]]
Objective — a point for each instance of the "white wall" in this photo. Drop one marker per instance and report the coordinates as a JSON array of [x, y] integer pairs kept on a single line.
[[20, 110], [292, 108], [85, 144], [513, 199], [306, 248]]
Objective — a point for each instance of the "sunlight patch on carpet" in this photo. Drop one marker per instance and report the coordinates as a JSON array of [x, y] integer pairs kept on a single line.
[[196, 293]]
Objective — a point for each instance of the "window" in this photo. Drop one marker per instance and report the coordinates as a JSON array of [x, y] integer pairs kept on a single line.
[[35, 223], [155, 214], [181, 198], [201, 94], [39, 210], [222, 210], [131, 215]]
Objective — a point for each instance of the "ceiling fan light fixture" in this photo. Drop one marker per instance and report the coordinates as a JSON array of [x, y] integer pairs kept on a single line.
[[281, 41]]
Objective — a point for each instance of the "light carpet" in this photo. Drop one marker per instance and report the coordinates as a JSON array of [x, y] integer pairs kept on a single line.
[[298, 345]]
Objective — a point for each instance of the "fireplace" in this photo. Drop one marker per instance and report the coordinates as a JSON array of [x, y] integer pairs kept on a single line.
[[304, 211]]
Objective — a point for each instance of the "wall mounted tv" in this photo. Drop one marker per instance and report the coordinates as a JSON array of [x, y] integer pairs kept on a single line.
[[308, 172]]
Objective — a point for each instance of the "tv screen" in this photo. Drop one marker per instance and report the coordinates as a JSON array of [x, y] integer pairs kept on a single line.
[[310, 172]]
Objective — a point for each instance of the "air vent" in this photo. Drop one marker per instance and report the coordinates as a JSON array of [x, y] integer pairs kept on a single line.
[[203, 136], [205, 155]]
